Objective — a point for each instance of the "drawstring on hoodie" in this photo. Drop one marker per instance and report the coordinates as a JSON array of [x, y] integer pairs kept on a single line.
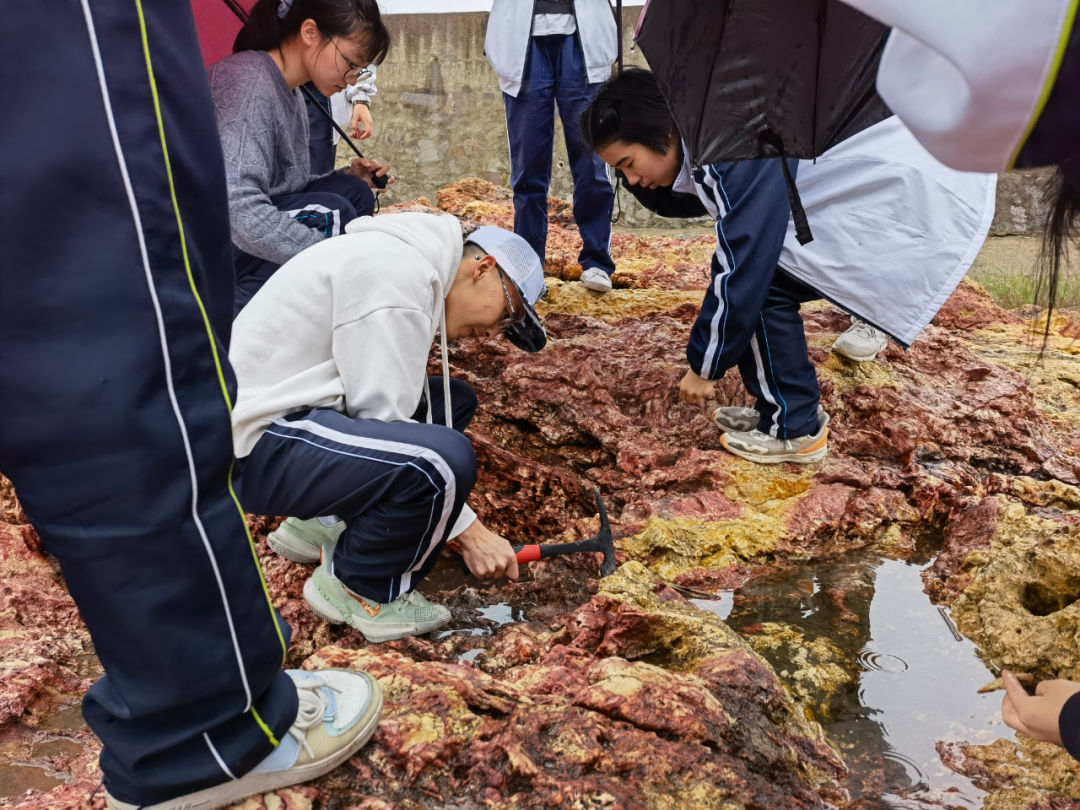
[[448, 411]]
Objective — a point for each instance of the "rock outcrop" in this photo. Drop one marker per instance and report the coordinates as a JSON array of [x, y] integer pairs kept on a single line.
[[567, 690]]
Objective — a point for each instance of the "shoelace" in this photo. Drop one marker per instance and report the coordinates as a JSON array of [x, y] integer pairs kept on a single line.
[[863, 329], [311, 710]]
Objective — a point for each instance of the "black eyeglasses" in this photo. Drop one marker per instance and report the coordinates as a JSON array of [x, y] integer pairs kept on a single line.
[[513, 318], [355, 73]]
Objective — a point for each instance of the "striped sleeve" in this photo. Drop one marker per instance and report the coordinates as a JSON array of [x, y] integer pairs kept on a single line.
[[750, 198]]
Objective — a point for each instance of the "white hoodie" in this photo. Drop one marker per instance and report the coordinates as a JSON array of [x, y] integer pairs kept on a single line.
[[348, 325]]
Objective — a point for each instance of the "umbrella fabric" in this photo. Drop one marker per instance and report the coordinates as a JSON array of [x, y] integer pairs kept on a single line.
[[750, 79], [217, 26]]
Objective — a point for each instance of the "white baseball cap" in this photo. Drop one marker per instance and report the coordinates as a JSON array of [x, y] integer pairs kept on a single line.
[[519, 261]]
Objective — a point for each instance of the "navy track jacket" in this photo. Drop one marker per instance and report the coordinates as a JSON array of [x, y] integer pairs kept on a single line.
[[749, 202]]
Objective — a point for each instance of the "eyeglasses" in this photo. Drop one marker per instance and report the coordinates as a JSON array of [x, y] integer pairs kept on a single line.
[[355, 73], [512, 318]]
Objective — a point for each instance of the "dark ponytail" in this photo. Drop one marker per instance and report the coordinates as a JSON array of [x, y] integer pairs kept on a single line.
[[265, 30], [1062, 196], [629, 108]]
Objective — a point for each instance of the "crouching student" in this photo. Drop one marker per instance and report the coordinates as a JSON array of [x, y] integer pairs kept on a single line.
[[335, 414], [277, 205], [894, 232]]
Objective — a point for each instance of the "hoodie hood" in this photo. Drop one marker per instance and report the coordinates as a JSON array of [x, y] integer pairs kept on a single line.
[[437, 237]]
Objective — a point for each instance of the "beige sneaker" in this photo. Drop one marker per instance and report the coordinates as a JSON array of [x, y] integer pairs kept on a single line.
[[338, 712], [408, 615], [753, 445]]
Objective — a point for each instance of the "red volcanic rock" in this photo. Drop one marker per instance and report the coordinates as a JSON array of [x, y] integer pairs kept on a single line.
[[572, 721], [970, 308], [560, 691]]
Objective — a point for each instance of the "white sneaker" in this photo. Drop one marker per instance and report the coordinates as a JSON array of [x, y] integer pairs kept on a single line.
[[596, 280], [861, 342], [338, 712], [302, 540]]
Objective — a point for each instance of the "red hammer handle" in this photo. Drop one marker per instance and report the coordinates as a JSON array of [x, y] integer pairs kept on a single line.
[[528, 554]]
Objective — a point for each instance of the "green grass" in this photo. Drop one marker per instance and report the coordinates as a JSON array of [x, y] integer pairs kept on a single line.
[[1015, 290], [1006, 267]]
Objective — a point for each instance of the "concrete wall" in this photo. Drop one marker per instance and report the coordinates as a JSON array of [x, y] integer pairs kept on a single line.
[[439, 117]]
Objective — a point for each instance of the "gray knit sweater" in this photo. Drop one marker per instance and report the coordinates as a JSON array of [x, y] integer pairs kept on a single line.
[[264, 135]]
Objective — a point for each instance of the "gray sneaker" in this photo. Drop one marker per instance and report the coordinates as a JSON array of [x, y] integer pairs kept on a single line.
[[337, 714], [753, 445], [734, 418], [861, 342], [302, 540], [408, 615]]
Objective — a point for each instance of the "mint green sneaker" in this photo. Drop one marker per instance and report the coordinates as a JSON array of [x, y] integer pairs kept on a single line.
[[337, 714], [302, 540], [408, 615]]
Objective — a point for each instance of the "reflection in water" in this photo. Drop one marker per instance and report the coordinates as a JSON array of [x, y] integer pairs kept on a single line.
[[721, 605], [914, 682]]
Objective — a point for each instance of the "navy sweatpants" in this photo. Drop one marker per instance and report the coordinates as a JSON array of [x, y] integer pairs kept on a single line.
[[776, 368], [399, 486], [115, 389], [326, 204], [555, 74]]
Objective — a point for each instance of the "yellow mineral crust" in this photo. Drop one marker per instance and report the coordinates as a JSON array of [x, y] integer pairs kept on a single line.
[[675, 546], [1021, 606], [569, 298]]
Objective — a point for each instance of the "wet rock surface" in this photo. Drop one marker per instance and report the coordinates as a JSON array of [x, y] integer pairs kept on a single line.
[[568, 690]]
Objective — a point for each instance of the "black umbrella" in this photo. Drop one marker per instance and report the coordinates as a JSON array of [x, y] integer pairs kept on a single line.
[[749, 79]]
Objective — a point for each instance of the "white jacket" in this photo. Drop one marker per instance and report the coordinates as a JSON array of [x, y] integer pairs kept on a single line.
[[510, 25], [894, 230], [967, 76], [347, 325]]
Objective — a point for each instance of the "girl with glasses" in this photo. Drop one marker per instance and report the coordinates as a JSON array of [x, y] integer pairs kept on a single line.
[[277, 205]]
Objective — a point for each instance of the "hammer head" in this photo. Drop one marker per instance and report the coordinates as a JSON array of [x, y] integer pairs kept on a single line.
[[604, 538]]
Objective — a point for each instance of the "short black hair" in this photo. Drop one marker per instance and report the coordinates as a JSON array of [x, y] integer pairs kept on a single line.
[[264, 30], [629, 108]]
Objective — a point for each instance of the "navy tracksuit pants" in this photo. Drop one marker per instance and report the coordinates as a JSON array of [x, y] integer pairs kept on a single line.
[[555, 74], [115, 391], [776, 368], [399, 486], [326, 204]]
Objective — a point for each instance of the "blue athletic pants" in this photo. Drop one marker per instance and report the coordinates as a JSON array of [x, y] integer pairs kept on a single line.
[[115, 390], [776, 368], [326, 204], [555, 74], [399, 486]]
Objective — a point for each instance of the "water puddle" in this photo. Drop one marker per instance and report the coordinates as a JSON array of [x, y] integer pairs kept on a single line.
[[721, 605], [35, 759], [912, 677]]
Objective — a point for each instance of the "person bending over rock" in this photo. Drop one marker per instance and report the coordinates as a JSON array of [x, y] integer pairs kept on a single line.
[[331, 365], [277, 207], [894, 232]]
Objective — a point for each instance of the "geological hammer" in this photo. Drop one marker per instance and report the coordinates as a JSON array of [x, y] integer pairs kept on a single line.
[[602, 541]]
